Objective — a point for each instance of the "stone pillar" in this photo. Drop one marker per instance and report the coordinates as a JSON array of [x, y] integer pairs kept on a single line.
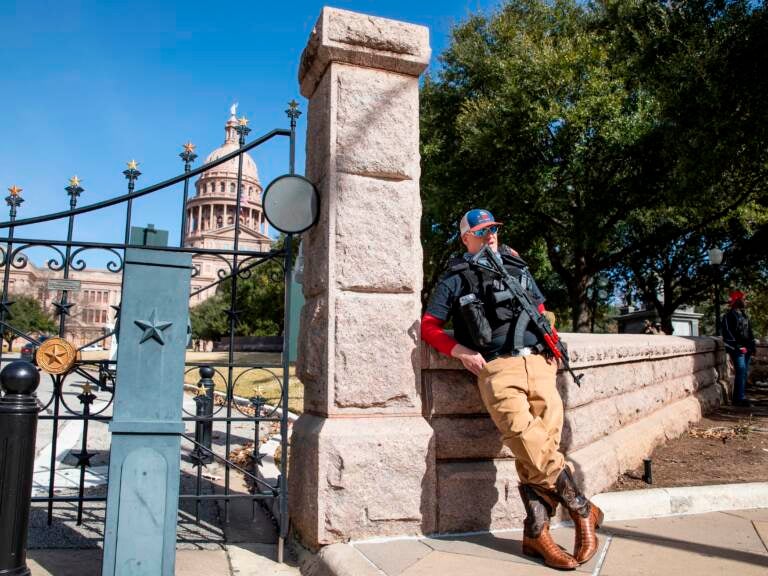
[[362, 460]]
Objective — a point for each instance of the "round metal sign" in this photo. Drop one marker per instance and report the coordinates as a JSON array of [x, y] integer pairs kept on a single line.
[[56, 356], [291, 204]]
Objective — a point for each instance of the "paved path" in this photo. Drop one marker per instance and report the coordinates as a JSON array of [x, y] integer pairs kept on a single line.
[[717, 543], [235, 560]]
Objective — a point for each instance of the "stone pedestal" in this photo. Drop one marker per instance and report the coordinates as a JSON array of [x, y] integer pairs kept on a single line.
[[362, 455]]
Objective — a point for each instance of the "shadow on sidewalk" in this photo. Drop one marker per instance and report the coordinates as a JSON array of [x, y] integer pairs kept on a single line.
[[695, 547]]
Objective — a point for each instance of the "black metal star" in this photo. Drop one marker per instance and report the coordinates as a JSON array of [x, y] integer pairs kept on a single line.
[[233, 313], [83, 458], [5, 305], [153, 328], [62, 308]]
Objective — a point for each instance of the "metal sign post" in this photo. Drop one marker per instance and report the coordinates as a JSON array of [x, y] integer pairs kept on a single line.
[[142, 501]]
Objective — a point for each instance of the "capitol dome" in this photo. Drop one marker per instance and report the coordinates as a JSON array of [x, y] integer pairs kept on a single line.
[[212, 213], [229, 168]]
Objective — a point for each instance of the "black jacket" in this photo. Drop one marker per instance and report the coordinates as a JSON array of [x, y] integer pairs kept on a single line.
[[737, 331]]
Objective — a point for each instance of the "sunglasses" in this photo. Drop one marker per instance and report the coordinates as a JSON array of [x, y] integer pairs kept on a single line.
[[483, 231]]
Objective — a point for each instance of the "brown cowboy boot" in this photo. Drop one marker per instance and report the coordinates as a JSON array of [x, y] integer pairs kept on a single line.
[[537, 541], [586, 516]]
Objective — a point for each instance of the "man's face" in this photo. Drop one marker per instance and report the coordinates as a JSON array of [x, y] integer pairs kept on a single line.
[[475, 243]]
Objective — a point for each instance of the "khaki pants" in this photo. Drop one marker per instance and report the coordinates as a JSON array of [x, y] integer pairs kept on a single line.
[[520, 395]]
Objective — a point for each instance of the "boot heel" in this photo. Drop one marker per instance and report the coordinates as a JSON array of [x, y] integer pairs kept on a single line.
[[599, 518]]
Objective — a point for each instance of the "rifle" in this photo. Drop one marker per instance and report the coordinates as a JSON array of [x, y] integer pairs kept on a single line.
[[489, 260]]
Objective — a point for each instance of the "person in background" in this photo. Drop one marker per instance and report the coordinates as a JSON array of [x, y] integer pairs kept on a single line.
[[740, 343]]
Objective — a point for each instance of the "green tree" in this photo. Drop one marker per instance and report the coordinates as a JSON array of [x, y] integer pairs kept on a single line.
[[27, 316], [259, 302], [209, 318], [704, 62], [544, 131], [260, 297], [604, 130]]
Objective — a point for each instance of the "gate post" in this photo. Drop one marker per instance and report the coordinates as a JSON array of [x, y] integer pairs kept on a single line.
[[144, 463], [362, 454], [204, 409], [18, 428]]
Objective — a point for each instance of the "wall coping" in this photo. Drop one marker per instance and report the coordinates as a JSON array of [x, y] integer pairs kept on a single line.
[[589, 350]]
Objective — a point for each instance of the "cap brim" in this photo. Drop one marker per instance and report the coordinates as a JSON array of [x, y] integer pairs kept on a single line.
[[484, 225]]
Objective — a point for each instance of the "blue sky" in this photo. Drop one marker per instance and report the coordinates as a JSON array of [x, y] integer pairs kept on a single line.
[[89, 85]]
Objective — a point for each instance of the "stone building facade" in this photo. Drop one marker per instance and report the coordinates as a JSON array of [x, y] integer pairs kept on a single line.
[[210, 225]]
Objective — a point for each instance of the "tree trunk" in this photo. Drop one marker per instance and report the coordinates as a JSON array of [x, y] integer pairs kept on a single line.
[[665, 315], [580, 304]]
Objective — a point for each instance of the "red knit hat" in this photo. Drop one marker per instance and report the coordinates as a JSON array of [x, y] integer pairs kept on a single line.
[[735, 296]]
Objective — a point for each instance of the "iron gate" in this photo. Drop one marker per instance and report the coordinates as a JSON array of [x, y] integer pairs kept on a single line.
[[90, 404]]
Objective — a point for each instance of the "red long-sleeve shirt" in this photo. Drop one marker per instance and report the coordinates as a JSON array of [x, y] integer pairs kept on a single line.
[[432, 333]]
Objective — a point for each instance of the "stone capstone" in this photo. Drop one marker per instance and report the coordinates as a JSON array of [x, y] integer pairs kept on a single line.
[[362, 40]]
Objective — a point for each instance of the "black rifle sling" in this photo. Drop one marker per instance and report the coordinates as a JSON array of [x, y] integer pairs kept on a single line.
[[522, 323]]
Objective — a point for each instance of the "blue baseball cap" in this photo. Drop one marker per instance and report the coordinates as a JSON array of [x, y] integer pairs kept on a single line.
[[477, 219]]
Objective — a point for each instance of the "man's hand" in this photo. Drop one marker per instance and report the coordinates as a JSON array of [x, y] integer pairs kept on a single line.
[[473, 361]]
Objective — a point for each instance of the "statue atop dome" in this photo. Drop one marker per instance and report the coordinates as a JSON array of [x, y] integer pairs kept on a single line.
[[233, 109]]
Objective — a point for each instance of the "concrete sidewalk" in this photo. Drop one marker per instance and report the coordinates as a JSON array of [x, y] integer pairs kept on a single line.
[[231, 559], [722, 543], [715, 543]]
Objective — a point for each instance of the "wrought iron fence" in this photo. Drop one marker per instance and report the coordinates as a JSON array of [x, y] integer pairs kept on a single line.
[[91, 402]]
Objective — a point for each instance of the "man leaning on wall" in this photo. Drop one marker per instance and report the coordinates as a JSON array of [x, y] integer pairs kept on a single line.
[[516, 377]]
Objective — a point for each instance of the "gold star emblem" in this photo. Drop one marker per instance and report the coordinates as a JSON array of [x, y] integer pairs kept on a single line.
[[189, 147], [74, 181], [293, 105], [15, 190], [243, 121], [56, 356], [201, 391], [87, 388], [257, 390], [133, 165]]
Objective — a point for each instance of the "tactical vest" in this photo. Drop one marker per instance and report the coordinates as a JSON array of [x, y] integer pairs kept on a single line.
[[487, 307]]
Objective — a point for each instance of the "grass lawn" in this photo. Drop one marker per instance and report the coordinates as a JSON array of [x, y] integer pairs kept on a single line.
[[250, 381]]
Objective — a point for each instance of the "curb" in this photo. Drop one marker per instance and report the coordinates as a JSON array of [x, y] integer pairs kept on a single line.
[[335, 560], [683, 500]]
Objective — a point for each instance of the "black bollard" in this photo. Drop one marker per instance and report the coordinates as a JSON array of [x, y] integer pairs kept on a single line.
[[204, 409], [647, 471], [18, 428]]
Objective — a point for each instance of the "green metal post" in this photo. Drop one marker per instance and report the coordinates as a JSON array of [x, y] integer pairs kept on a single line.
[[142, 499]]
